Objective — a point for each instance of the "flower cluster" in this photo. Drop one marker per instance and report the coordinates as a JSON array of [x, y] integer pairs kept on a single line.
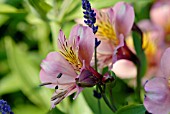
[[5, 108], [71, 69]]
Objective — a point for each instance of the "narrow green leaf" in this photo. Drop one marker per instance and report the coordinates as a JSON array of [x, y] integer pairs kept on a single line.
[[41, 7], [28, 109], [28, 73], [132, 109], [109, 3], [55, 111], [8, 84], [8, 9], [76, 108], [140, 52]]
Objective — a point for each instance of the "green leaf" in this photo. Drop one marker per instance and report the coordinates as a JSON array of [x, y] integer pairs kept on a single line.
[[120, 90], [55, 111], [28, 73], [140, 7], [137, 40], [93, 102], [41, 7], [8, 9], [132, 109], [105, 70], [109, 3], [76, 108], [28, 109], [7, 84]]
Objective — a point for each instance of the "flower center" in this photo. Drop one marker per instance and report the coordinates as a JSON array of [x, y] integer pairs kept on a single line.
[[169, 82], [148, 45], [167, 27], [71, 55], [105, 29]]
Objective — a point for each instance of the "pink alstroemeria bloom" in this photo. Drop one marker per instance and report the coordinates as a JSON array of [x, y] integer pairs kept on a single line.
[[114, 24], [68, 70], [153, 45], [157, 100], [160, 14]]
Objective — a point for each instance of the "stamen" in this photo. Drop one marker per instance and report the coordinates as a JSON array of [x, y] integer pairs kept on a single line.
[[59, 100], [59, 76], [58, 95], [46, 83]]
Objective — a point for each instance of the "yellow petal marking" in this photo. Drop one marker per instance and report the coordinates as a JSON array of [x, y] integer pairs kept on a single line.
[[71, 56], [105, 28], [148, 45]]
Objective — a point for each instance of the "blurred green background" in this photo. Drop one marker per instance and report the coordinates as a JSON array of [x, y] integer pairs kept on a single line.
[[28, 31]]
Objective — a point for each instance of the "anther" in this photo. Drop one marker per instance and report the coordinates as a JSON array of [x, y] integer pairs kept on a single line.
[[46, 83], [58, 95], [56, 87], [59, 76]]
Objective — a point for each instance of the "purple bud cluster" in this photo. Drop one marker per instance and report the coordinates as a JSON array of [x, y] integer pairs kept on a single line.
[[89, 15], [5, 108]]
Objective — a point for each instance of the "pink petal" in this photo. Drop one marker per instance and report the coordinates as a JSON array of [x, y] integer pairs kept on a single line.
[[153, 41], [105, 47], [52, 66], [104, 53], [157, 33], [165, 62], [79, 90], [85, 41], [86, 44], [116, 52], [124, 18], [160, 13], [157, 100], [61, 39], [121, 67], [112, 16], [103, 60]]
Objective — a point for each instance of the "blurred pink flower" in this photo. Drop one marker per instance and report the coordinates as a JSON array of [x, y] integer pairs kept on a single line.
[[160, 14], [114, 24], [153, 46], [157, 99], [68, 70]]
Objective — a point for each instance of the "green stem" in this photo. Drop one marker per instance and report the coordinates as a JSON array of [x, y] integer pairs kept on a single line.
[[95, 56], [98, 100], [106, 100], [111, 99], [138, 81]]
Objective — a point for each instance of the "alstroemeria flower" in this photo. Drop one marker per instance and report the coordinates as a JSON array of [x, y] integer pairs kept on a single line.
[[157, 100], [160, 14], [114, 24], [153, 46], [68, 70]]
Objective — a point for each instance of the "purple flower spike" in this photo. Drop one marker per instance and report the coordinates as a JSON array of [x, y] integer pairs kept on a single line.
[[5, 108]]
